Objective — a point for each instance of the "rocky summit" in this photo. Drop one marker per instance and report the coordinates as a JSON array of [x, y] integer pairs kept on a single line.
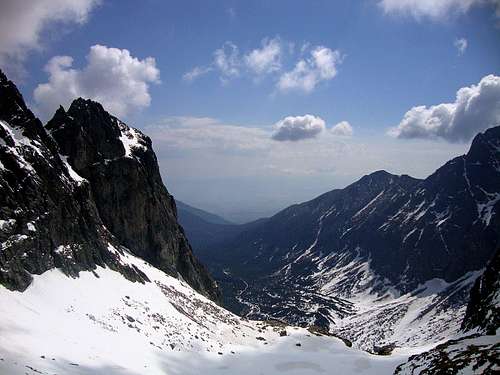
[[78, 193]]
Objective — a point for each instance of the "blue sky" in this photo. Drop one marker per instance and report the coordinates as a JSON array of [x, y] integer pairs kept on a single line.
[[391, 58]]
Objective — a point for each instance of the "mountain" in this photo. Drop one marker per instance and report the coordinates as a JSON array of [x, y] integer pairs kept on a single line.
[[97, 276], [387, 260], [478, 350], [204, 215], [204, 229], [78, 192]]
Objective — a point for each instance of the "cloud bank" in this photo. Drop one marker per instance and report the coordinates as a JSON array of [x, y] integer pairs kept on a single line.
[[296, 128], [22, 22], [475, 109], [112, 77]]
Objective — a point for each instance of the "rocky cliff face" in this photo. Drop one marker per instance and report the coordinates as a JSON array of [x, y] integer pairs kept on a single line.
[[483, 310], [75, 195], [122, 170], [47, 216]]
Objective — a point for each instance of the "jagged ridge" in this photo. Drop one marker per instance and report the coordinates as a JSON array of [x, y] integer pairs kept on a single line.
[[80, 196]]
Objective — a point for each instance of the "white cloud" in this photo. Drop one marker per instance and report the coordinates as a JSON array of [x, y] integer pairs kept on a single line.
[[460, 45], [296, 128], [22, 22], [112, 77], [342, 129], [475, 109], [196, 72], [321, 66], [266, 59], [227, 61], [434, 9]]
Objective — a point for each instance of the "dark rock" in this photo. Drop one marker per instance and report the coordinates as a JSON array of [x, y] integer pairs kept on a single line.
[[48, 217], [72, 199], [122, 170], [483, 310], [318, 330], [384, 349]]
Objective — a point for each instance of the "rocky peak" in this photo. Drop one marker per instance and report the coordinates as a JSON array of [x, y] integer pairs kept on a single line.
[[119, 163], [47, 216], [12, 107], [86, 133], [82, 195], [485, 146]]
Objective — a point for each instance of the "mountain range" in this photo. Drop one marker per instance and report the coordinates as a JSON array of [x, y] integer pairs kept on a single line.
[[98, 275], [387, 260]]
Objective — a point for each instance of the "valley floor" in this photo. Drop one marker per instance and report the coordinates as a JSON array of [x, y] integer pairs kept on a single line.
[[100, 323]]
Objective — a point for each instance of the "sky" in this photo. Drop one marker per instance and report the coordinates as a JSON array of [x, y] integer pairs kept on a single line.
[[256, 105]]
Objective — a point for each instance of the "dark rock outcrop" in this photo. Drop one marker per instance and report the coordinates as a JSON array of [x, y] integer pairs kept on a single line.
[[483, 310], [81, 196], [47, 217], [134, 205]]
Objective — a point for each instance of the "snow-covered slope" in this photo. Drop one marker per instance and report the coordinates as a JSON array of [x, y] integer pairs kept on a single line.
[[101, 323], [477, 349]]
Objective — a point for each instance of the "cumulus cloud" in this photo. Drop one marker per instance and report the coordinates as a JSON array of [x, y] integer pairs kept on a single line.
[[22, 22], [475, 109], [342, 129], [433, 9], [320, 66], [460, 45], [112, 77], [266, 59], [296, 128]]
